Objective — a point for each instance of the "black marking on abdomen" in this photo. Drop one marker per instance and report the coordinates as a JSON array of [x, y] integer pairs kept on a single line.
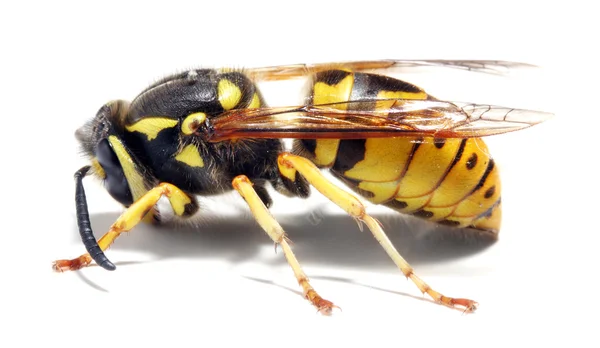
[[459, 153], [395, 204], [481, 182], [367, 86], [331, 77], [490, 192], [448, 222], [350, 152], [439, 142], [423, 214], [457, 157], [472, 161], [416, 145], [310, 145]]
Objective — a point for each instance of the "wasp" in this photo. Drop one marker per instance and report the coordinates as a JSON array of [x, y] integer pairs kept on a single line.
[[209, 131]]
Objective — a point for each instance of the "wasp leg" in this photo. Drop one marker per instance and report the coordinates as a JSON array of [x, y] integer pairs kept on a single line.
[[290, 164], [264, 218], [181, 203], [262, 192], [153, 217]]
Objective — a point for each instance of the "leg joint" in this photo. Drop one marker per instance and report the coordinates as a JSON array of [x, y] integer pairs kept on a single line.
[[239, 180]]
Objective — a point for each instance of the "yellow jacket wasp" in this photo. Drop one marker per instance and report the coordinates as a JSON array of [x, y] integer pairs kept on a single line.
[[208, 131]]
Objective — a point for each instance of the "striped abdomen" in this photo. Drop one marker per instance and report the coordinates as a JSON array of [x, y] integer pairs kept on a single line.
[[449, 181]]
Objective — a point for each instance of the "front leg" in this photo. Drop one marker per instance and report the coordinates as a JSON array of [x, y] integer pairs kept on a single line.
[[182, 204]]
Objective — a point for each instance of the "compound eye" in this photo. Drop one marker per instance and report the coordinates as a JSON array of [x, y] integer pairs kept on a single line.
[[115, 181]]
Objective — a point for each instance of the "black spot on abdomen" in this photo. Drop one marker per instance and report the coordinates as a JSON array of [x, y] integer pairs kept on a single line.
[[472, 161]]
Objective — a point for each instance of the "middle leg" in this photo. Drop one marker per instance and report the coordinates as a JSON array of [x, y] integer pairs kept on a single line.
[[268, 223], [182, 204]]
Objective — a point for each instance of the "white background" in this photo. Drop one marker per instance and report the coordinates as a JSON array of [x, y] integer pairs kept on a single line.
[[222, 284]]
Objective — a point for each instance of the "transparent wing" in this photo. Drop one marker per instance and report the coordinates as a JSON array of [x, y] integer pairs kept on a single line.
[[370, 119], [287, 72]]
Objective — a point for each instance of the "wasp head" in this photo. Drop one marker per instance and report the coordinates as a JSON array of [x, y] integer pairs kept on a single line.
[[110, 159]]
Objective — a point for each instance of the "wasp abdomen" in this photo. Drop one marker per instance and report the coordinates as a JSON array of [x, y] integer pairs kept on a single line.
[[449, 181]]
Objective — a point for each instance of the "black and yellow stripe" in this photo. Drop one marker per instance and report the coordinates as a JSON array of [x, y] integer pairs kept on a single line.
[[451, 181]]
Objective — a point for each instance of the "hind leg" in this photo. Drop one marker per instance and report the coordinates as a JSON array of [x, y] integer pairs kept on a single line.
[[290, 165]]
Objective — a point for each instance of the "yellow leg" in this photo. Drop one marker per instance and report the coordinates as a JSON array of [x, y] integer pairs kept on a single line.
[[264, 218], [179, 200], [289, 164], [153, 217]]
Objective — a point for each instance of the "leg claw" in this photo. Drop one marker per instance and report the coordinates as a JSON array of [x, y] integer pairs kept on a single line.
[[468, 306], [70, 265], [325, 307]]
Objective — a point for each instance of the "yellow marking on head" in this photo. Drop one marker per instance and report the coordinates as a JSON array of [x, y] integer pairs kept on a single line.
[[386, 104], [382, 191], [190, 156], [340, 92], [255, 103], [134, 178], [151, 126], [192, 122], [384, 160], [229, 94], [97, 168]]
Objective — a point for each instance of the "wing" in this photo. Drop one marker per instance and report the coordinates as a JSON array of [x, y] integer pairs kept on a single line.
[[359, 120], [287, 72]]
